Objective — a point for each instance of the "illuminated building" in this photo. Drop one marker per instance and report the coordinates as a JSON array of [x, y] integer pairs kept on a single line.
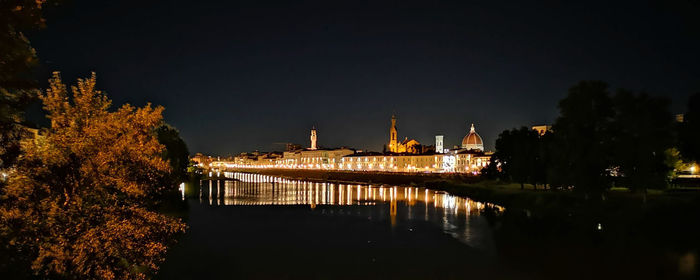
[[471, 160], [410, 146], [439, 144], [201, 159], [318, 158], [542, 129], [679, 118], [472, 141], [389, 162], [393, 134], [465, 161], [313, 139]]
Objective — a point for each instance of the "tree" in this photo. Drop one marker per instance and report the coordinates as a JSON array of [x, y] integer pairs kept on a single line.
[[17, 58], [543, 160], [642, 136], [674, 162], [517, 150], [77, 205], [689, 135], [492, 170], [175, 152], [582, 137]]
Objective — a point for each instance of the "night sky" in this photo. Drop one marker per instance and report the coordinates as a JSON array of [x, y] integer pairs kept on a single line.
[[237, 77]]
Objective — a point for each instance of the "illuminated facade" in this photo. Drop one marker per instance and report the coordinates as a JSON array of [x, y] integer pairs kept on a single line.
[[410, 146], [202, 160], [393, 136], [439, 144], [313, 139], [542, 129], [318, 159], [257, 158], [462, 162]]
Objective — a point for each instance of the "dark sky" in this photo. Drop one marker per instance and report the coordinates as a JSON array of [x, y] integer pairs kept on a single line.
[[242, 76]]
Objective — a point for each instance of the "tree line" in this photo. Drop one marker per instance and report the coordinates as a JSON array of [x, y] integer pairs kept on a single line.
[[79, 198], [601, 139]]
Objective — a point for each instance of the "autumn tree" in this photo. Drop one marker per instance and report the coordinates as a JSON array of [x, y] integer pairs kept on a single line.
[[77, 205]]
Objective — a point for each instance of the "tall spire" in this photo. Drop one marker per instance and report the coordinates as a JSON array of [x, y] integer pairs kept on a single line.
[[472, 129]]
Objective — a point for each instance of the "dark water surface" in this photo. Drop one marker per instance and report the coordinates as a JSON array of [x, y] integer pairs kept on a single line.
[[272, 228], [263, 227]]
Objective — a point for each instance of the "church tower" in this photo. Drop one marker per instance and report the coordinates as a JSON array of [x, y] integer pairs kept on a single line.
[[313, 138], [439, 144], [393, 136]]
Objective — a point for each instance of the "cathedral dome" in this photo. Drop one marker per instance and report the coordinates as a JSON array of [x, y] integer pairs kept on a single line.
[[472, 141]]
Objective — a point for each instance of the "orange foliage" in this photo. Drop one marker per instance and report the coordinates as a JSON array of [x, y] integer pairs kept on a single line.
[[78, 199]]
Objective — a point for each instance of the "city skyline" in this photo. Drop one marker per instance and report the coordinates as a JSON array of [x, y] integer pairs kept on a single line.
[[240, 76], [307, 143]]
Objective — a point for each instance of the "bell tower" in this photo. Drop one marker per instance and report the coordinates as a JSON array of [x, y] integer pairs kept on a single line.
[[313, 138], [393, 136]]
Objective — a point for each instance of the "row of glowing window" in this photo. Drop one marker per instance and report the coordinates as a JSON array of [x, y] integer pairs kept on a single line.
[[317, 159], [420, 159], [391, 159]]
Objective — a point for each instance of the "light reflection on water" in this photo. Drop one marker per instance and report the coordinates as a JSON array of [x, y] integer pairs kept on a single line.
[[460, 217]]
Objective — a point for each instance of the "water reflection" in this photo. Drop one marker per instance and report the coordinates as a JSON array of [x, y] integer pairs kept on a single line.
[[457, 216]]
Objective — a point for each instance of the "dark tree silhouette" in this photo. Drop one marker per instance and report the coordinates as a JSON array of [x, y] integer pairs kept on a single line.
[[689, 135], [175, 152], [491, 171], [582, 137], [17, 58], [642, 135], [543, 160], [598, 139], [517, 151]]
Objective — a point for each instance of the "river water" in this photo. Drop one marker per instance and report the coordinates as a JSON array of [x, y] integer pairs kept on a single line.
[[252, 226]]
